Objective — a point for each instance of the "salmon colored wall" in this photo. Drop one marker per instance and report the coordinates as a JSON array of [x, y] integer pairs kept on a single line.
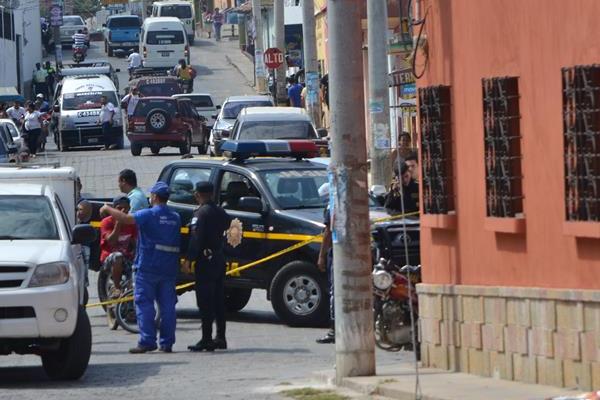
[[532, 39]]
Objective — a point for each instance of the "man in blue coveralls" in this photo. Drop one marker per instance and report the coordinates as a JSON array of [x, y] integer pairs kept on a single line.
[[157, 264]]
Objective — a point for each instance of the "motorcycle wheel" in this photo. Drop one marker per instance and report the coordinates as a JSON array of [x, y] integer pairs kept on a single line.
[[379, 341]]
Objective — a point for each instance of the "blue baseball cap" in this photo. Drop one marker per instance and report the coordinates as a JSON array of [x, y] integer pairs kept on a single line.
[[161, 189]]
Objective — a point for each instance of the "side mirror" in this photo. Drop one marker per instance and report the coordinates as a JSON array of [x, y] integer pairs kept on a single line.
[[214, 116], [218, 107], [117, 69], [322, 132], [251, 204], [83, 234], [56, 108]]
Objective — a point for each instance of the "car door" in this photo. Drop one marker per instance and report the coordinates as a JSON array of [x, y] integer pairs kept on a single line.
[[233, 185], [187, 115]]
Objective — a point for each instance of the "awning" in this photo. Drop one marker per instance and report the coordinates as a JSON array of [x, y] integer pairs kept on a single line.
[[245, 8]]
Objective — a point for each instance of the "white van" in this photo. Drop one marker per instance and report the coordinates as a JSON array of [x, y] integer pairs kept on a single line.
[[77, 112], [163, 42], [184, 10]]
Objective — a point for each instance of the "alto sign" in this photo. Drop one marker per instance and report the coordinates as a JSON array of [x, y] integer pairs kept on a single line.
[[273, 58]]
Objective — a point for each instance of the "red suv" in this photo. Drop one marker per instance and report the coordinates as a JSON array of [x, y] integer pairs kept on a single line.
[[159, 122]]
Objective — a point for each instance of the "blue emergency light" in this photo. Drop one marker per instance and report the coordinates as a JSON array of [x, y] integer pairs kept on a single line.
[[270, 148]]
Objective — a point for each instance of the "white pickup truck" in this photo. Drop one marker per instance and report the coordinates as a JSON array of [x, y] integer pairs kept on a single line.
[[42, 270]]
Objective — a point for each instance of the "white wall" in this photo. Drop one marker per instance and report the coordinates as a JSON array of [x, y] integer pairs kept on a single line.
[[8, 65], [292, 12]]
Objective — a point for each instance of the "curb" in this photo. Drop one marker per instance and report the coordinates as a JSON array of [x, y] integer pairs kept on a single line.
[[249, 82]]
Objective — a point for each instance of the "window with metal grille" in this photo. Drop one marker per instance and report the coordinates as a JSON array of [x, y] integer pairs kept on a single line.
[[436, 149], [581, 127], [502, 136]]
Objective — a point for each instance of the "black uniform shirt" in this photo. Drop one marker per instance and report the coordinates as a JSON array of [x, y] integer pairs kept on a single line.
[[207, 227], [411, 199]]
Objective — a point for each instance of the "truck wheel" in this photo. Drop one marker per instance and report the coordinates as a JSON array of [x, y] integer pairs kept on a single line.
[[299, 295], [102, 287], [236, 298], [186, 147], [136, 149], [86, 296], [155, 149], [71, 359]]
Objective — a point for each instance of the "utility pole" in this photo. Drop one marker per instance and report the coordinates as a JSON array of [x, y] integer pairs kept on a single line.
[[259, 62], [354, 336], [280, 92], [311, 66], [378, 101]]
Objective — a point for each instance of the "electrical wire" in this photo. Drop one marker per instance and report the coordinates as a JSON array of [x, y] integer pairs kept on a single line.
[[414, 55]]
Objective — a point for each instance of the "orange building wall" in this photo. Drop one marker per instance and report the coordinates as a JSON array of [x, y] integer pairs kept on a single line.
[[532, 39]]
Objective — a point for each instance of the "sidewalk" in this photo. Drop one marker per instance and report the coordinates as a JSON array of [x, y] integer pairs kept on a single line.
[[229, 48], [398, 382]]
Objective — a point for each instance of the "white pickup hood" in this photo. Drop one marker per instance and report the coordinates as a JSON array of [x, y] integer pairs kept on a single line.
[[33, 251]]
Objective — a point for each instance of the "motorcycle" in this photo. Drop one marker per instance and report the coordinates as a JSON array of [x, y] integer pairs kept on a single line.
[[79, 53], [394, 296]]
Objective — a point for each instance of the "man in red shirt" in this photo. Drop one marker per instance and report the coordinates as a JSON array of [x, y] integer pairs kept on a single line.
[[117, 243]]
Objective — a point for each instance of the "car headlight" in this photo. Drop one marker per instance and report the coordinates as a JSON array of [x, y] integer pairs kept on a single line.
[[216, 133], [382, 280], [50, 274]]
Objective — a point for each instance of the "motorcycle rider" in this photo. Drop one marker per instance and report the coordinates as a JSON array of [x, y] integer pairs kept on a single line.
[[135, 61], [79, 40], [186, 75]]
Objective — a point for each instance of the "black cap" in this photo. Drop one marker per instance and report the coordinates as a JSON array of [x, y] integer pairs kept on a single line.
[[120, 199], [204, 187]]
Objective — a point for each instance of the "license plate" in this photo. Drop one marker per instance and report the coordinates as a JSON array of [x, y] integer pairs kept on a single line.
[[165, 53], [93, 140]]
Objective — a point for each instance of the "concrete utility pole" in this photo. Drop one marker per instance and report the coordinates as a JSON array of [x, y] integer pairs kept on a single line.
[[259, 62], [281, 92], [354, 336], [311, 65], [379, 102]]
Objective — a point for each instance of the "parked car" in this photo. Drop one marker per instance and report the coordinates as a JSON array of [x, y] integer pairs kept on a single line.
[[91, 68], [121, 32], [226, 118], [150, 86], [160, 122], [203, 103], [8, 126], [72, 24], [284, 123]]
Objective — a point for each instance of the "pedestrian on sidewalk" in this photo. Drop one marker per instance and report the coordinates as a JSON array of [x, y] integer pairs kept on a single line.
[[294, 92], [33, 128], [51, 78], [128, 184], [157, 264], [325, 264], [40, 80], [217, 19], [207, 22], [205, 248]]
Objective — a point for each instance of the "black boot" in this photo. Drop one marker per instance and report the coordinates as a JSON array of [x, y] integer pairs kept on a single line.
[[206, 344], [220, 343], [329, 336]]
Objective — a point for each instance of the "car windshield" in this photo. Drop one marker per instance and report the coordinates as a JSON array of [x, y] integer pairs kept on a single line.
[[264, 130], [159, 87], [27, 217], [144, 106], [179, 11], [232, 109], [124, 22], [87, 100], [73, 21], [165, 37], [13, 130], [296, 188]]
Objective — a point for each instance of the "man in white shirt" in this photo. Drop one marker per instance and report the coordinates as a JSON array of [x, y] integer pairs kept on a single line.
[[107, 112], [130, 101], [16, 113], [135, 61]]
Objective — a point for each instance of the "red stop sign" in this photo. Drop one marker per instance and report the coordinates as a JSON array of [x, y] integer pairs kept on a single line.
[[273, 58]]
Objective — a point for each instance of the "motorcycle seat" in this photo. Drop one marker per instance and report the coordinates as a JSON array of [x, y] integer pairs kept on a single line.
[[413, 269]]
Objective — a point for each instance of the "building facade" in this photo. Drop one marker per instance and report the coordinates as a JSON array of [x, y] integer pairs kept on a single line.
[[510, 150]]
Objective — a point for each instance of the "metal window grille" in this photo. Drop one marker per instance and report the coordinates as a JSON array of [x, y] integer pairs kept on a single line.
[[581, 127], [436, 149], [502, 137]]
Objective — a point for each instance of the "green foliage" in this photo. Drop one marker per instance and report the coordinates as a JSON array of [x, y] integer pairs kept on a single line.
[[312, 394], [86, 8]]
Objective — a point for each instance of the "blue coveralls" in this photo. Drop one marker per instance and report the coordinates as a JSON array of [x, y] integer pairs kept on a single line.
[[157, 262]]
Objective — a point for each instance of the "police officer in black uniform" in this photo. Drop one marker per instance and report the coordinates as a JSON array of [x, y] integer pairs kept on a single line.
[[405, 190], [207, 229]]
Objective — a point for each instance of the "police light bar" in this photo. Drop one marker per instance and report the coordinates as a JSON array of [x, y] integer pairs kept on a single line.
[[270, 148]]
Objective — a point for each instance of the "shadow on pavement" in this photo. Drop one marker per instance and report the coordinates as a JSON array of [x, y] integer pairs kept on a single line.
[[263, 350], [203, 43], [253, 317], [121, 375]]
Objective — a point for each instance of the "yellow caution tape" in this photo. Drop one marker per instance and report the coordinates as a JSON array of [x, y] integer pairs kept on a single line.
[[305, 240]]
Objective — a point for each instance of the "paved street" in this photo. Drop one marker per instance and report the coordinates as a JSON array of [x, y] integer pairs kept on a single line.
[[264, 355]]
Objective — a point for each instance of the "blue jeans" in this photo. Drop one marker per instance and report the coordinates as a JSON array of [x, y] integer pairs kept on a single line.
[[106, 134], [148, 289]]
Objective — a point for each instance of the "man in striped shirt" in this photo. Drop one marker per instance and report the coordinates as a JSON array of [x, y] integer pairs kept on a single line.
[[79, 39]]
